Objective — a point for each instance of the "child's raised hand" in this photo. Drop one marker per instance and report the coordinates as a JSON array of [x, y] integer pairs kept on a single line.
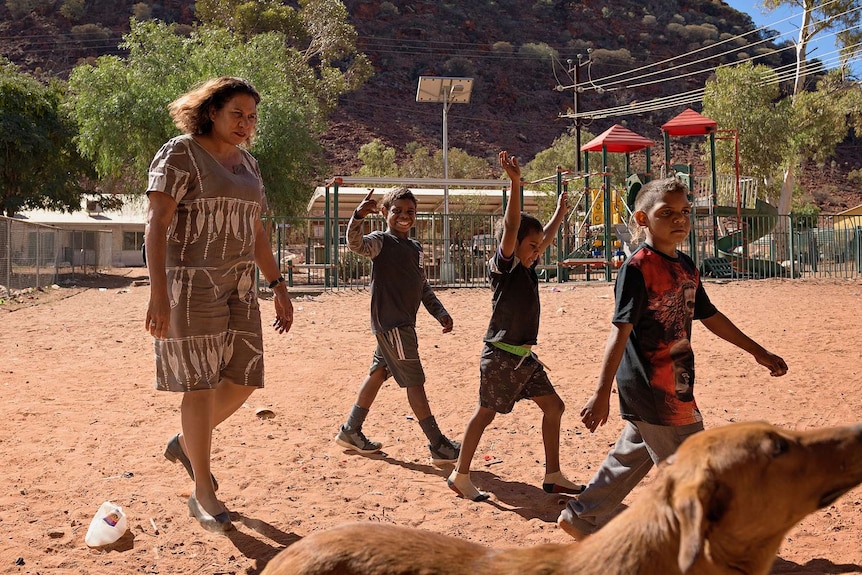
[[563, 201], [446, 322], [368, 205], [772, 362], [510, 165]]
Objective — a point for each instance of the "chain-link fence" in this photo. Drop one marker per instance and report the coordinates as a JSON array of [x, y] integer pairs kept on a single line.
[[37, 255]]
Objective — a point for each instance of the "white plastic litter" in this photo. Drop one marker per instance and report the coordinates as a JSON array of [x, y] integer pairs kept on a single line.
[[108, 525]]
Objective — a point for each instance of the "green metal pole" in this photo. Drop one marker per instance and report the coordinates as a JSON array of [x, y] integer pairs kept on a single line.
[[607, 207], [587, 201], [714, 197], [327, 245], [337, 234], [666, 139], [560, 247]]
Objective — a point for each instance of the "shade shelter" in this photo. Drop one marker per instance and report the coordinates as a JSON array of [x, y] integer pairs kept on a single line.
[[691, 123], [618, 140]]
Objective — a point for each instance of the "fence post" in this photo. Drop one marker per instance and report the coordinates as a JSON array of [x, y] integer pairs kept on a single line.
[[792, 248], [858, 243], [38, 256], [9, 258]]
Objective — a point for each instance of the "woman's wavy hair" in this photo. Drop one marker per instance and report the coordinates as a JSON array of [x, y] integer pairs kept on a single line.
[[191, 111]]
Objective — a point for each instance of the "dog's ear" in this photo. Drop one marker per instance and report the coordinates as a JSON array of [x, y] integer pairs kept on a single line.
[[688, 508], [697, 505]]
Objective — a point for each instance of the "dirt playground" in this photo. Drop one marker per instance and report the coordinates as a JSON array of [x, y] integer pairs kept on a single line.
[[80, 423]]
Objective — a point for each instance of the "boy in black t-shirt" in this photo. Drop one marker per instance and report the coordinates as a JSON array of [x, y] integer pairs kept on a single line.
[[398, 286], [658, 295], [509, 369]]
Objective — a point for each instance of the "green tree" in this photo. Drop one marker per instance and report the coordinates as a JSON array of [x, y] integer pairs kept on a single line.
[[745, 98], [39, 165], [563, 153], [825, 116], [120, 104], [319, 30], [840, 16], [378, 160], [423, 164]]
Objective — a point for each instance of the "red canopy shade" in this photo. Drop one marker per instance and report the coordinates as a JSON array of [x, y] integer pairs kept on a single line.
[[617, 139], [690, 123]]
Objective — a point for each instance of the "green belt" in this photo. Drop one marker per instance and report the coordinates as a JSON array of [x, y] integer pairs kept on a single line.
[[519, 350]]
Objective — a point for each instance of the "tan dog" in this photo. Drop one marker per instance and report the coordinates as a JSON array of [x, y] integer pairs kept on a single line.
[[721, 505]]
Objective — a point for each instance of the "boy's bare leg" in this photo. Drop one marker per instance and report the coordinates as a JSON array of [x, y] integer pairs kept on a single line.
[[552, 414], [419, 402], [370, 386], [459, 480], [475, 428]]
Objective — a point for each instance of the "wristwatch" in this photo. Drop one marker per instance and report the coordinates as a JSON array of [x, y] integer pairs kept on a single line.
[[275, 282]]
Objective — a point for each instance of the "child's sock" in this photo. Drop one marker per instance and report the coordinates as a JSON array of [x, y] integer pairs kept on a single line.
[[432, 432], [557, 483], [460, 483], [356, 417]]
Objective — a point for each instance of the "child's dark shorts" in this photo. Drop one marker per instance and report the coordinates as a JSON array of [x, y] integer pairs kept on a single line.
[[398, 352], [503, 382]]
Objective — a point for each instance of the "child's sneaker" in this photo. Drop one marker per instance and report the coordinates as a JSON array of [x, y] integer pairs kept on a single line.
[[446, 451], [354, 439]]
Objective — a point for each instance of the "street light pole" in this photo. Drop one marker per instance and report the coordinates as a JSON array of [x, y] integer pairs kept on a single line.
[[447, 91], [447, 239]]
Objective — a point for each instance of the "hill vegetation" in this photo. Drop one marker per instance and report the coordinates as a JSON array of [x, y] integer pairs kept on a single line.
[[518, 52]]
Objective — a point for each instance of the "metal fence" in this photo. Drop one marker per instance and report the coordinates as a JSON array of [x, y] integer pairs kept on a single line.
[[37, 255], [726, 247]]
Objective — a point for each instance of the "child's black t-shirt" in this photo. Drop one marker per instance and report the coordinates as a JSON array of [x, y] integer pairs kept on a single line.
[[515, 304], [660, 296]]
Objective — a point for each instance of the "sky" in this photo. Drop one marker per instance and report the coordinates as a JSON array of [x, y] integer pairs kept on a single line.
[[787, 21]]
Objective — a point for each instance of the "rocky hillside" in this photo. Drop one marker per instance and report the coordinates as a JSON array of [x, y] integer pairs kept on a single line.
[[502, 44]]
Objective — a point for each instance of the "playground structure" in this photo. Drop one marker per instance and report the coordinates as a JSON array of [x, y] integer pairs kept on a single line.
[[735, 234], [732, 228]]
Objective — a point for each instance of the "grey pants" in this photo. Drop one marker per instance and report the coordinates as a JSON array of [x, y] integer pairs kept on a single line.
[[640, 446]]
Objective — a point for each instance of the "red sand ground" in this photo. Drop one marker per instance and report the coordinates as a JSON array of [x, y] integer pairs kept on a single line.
[[80, 423]]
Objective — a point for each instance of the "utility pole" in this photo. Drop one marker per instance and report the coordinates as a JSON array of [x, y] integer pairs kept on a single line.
[[577, 97], [574, 72]]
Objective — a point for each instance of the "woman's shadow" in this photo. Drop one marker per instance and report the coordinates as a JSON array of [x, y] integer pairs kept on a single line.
[[813, 567], [259, 549]]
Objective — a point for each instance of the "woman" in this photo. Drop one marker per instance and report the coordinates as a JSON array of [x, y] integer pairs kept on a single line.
[[204, 236]]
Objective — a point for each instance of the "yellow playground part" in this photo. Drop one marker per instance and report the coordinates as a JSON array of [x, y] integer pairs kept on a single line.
[[619, 209]]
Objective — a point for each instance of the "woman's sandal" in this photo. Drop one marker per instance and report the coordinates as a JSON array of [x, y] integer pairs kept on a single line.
[[174, 452]]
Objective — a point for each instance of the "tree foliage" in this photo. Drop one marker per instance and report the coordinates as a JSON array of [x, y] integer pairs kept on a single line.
[[825, 116], [564, 153], [840, 17], [120, 104], [745, 98], [320, 31], [39, 165], [378, 160]]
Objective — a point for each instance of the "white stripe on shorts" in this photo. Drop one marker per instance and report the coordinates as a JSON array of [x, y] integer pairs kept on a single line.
[[396, 343]]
